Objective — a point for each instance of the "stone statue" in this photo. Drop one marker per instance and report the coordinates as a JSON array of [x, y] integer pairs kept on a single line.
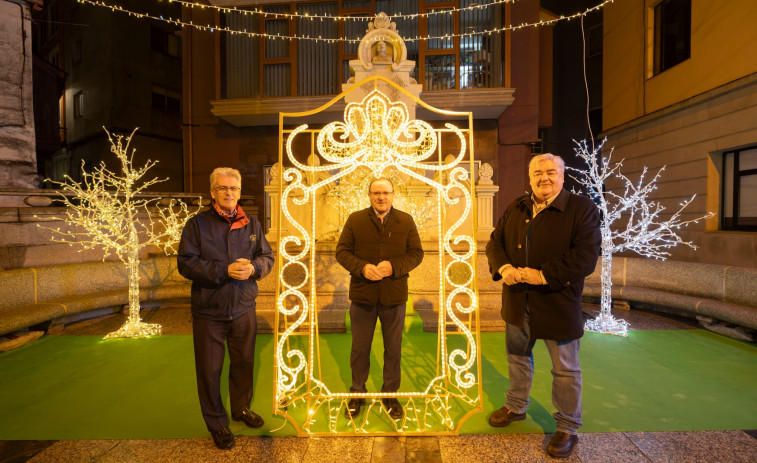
[[383, 55]]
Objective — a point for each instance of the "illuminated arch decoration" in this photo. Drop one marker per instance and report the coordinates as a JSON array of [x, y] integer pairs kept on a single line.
[[378, 136]]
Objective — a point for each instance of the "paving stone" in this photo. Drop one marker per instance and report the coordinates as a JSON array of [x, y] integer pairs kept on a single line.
[[699, 447]]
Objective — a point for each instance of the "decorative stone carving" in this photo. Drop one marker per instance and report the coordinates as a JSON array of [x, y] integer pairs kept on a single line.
[[485, 173], [383, 52], [275, 173]]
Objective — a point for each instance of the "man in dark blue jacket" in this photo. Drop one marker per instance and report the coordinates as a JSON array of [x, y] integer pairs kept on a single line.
[[543, 247], [224, 252]]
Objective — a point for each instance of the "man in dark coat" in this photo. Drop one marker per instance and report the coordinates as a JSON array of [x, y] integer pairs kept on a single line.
[[379, 246], [543, 247], [224, 252]]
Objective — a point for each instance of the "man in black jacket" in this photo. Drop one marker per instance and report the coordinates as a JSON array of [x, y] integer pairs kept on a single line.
[[543, 247], [379, 246], [224, 252]]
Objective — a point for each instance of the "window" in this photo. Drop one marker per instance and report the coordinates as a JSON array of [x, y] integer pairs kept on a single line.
[[54, 58], [672, 33], [164, 42], [76, 52], [739, 208], [79, 104], [167, 100], [270, 67]]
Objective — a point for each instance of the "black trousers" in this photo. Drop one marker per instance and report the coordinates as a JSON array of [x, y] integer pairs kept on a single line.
[[210, 339], [363, 319]]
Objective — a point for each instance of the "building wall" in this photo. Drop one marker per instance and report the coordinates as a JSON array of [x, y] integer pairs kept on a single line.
[[210, 142], [519, 125], [116, 70], [685, 117], [723, 49]]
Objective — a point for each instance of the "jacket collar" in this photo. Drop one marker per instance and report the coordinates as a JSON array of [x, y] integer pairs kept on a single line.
[[560, 202], [392, 217], [239, 220]]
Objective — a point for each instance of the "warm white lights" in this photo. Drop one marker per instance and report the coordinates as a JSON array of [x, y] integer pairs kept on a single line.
[[216, 27], [376, 138], [646, 232], [105, 211]]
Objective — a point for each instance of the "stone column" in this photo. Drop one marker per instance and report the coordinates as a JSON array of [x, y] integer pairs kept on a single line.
[[18, 156], [485, 190], [273, 192]]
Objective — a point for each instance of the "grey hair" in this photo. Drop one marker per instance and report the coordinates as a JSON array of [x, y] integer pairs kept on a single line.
[[546, 157], [228, 171], [379, 179]]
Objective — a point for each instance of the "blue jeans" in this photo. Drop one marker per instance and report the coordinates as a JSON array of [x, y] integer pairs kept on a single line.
[[566, 375]]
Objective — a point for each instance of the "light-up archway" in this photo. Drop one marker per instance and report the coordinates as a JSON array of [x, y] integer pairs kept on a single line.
[[376, 136]]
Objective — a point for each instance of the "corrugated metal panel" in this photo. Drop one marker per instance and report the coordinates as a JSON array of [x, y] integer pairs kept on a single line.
[[317, 62], [242, 57]]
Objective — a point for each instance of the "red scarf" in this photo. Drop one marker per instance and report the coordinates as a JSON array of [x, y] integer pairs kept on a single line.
[[238, 221]]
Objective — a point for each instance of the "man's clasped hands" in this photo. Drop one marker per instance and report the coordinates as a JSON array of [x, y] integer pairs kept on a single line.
[[377, 272], [514, 275]]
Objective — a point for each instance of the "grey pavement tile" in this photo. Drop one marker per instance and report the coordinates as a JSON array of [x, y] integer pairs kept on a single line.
[[608, 448], [422, 457], [700, 447], [528, 448], [388, 449], [273, 449], [422, 444], [75, 451], [173, 319], [12, 451], [644, 318], [335, 449], [138, 450], [472, 448], [191, 450]]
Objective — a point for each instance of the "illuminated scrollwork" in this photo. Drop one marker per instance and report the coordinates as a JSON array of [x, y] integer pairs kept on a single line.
[[378, 135], [463, 376]]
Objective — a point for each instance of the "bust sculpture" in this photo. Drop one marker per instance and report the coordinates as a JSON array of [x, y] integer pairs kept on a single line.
[[383, 55]]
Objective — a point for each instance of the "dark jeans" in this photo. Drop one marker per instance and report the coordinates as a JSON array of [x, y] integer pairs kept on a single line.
[[363, 319], [210, 337]]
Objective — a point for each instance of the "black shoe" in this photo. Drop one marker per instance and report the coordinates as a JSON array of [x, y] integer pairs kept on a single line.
[[561, 445], [223, 438], [393, 407], [503, 417], [250, 418], [353, 407]]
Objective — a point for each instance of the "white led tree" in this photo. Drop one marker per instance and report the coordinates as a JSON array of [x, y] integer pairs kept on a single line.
[[646, 231], [108, 211]]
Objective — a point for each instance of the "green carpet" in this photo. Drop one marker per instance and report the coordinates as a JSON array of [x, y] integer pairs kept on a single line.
[[81, 387]]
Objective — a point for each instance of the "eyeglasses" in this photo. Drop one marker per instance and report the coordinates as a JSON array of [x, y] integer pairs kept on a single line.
[[381, 193], [224, 189]]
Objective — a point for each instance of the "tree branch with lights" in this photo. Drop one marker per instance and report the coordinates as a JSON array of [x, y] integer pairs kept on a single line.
[[647, 231], [107, 211]]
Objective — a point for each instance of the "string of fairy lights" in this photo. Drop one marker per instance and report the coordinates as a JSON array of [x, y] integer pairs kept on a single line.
[[303, 16], [399, 15]]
